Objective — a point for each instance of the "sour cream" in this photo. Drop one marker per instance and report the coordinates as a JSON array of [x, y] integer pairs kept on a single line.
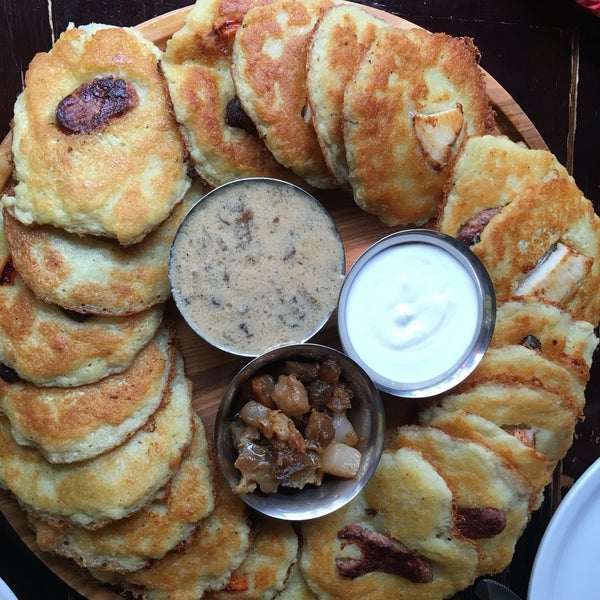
[[417, 312]]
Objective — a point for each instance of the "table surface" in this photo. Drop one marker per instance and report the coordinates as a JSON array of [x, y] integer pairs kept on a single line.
[[546, 55]]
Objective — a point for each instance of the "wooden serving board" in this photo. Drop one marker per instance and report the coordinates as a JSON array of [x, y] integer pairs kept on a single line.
[[209, 369]]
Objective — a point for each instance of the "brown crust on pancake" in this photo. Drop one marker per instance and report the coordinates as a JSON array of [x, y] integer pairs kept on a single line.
[[402, 74], [509, 405], [508, 422], [224, 536], [264, 570], [72, 424], [337, 45], [130, 544], [47, 347], [541, 206], [269, 73], [197, 63], [561, 338], [408, 501], [117, 483], [119, 181], [479, 478], [517, 364], [94, 275], [533, 465]]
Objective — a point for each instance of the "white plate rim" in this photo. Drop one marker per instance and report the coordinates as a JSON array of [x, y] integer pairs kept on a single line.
[[5, 592], [545, 570]]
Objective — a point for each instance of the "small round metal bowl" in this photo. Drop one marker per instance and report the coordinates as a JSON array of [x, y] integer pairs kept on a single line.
[[417, 311], [256, 263], [366, 415]]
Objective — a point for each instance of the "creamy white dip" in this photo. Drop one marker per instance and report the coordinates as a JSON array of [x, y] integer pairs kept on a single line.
[[255, 264], [411, 313]]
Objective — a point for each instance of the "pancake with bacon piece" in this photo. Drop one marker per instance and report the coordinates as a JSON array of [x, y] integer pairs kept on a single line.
[[490, 172], [396, 539], [549, 330], [523, 215], [96, 148], [411, 103], [537, 417], [492, 500], [516, 450]]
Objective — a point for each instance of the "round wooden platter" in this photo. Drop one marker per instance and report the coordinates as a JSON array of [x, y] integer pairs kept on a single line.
[[210, 369]]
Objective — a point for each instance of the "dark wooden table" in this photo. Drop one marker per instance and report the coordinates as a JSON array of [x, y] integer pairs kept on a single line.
[[545, 54]]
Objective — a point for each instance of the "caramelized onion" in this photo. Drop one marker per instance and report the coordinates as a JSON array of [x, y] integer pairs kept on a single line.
[[340, 460], [292, 428], [290, 396]]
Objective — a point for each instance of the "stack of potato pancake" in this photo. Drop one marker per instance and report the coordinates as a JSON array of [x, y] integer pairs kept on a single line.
[[114, 140]]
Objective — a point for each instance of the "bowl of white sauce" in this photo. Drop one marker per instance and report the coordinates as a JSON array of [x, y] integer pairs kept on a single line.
[[256, 263], [417, 311]]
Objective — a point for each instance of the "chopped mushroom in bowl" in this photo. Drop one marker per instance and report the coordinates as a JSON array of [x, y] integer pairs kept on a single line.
[[299, 431]]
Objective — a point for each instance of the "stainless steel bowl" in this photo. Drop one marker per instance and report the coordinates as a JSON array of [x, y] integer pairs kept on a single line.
[[366, 415], [256, 263], [439, 312]]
